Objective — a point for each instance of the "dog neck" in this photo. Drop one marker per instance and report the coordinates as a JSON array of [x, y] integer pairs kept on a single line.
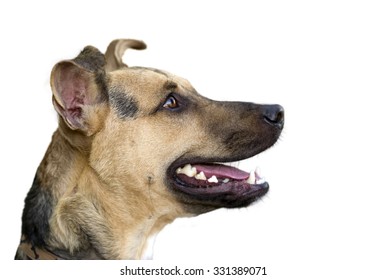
[[90, 218]]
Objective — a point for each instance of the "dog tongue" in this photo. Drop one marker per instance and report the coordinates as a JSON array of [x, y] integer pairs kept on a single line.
[[222, 171]]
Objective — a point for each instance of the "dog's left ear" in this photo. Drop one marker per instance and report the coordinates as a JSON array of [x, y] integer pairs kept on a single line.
[[77, 86]]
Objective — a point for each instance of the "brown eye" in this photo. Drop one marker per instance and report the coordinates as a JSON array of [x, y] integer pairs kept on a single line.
[[171, 103]]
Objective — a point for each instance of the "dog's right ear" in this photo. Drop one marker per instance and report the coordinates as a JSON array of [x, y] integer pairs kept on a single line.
[[77, 85], [116, 50]]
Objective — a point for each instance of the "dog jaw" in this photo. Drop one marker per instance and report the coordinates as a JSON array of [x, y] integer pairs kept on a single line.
[[215, 185]]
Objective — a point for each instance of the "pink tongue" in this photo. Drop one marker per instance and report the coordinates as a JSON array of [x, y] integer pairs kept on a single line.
[[222, 171]]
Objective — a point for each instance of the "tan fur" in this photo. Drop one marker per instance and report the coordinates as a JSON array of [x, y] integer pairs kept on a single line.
[[107, 174], [136, 204]]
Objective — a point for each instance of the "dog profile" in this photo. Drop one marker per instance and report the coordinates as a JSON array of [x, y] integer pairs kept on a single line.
[[135, 149]]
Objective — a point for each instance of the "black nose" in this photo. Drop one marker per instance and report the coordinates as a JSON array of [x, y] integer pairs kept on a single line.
[[274, 115]]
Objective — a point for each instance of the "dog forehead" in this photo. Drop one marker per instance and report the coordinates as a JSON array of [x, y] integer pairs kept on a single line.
[[147, 81], [139, 89]]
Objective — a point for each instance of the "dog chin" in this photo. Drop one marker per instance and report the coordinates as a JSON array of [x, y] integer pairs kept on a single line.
[[213, 184]]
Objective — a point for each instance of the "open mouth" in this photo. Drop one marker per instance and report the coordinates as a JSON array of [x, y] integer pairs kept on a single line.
[[219, 184]]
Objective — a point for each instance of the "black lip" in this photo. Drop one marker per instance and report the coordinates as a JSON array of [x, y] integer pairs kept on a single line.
[[233, 194], [236, 194]]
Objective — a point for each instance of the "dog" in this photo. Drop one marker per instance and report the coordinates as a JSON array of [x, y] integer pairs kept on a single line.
[[135, 149]]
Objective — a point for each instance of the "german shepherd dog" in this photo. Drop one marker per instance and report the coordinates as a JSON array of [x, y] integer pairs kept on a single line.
[[135, 149]]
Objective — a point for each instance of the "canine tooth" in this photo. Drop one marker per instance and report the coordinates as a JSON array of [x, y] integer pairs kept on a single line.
[[187, 170], [226, 180], [200, 176], [213, 179], [251, 179], [260, 181]]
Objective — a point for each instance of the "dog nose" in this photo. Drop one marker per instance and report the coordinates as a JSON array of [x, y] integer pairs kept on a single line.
[[274, 115]]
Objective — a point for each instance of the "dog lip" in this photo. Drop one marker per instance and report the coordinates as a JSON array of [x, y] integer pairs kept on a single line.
[[232, 193]]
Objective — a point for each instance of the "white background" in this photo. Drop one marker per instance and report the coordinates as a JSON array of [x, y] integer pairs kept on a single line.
[[324, 61]]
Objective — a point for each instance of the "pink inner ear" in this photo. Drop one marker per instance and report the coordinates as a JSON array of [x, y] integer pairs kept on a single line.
[[71, 86], [73, 96]]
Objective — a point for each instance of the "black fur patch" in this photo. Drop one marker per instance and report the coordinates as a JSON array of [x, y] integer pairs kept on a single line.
[[100, 80], [36, 214], [126, 106], [91, 59]]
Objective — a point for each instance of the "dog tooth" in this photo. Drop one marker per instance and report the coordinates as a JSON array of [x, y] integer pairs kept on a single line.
[[179, 170], [260, 181], [213, 179], [193, 172], [187, 170], [257, 174], [251, 179], [200, 176], [226, 180]]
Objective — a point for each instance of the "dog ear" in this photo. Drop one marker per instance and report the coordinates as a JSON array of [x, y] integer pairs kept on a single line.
[[77, 85], [116, 50]]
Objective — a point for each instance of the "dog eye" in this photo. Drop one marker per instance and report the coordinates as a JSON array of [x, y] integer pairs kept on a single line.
[[171, 103]]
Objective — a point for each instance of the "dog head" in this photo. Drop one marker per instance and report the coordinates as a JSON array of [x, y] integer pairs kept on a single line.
[[148, 134]]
